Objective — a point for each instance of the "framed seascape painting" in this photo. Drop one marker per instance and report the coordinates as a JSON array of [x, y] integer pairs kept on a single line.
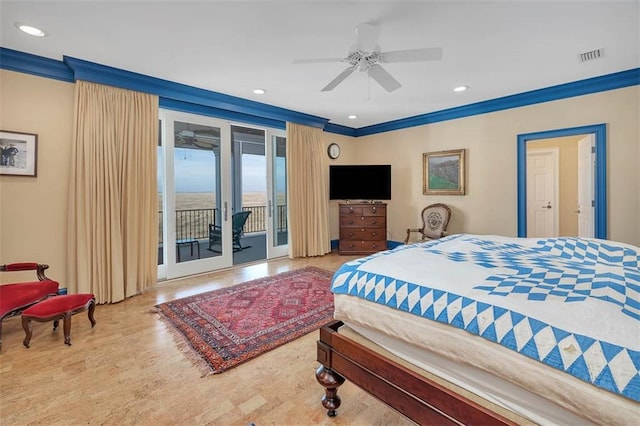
[[19, 153], [443, 172]]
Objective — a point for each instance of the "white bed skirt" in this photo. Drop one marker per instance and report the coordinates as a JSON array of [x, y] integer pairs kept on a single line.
[[511, 380]]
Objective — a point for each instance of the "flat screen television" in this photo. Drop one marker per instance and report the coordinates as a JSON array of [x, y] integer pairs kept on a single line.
[[360, 182]]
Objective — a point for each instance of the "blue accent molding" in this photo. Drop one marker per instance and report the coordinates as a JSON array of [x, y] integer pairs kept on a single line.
[[393, 244], [27, 63], [71, 69], [340, 129], [220, 113], [89, 71], [600, 195], [582, 87]]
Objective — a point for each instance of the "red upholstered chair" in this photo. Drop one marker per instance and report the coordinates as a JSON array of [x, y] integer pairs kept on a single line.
[[16, 297]]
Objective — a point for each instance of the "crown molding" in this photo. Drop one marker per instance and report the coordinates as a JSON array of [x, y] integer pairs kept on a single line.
[[27, 63], [192, 99], [568, 90], [97, 73]]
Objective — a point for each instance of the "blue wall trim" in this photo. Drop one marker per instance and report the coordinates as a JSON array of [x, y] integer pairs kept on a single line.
[[600, 211], [185, 97], [583, 87], [89, 71], [27, 63], [220, 113], [340, 129]]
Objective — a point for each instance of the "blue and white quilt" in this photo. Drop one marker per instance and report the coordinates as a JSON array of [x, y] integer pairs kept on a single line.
[[571, 303]]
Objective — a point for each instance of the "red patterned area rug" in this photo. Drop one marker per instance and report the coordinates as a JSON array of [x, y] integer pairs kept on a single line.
[[232, 325]]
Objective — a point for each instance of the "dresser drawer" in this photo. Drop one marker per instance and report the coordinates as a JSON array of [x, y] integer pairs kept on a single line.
[[370, 234], [361, 247], [363, 210], [360, 221]]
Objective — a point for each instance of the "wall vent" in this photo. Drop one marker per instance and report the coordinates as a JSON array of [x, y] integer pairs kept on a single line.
[[591, 55]]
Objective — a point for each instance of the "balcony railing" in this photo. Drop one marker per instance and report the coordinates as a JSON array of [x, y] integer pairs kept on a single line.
[[193, 224]]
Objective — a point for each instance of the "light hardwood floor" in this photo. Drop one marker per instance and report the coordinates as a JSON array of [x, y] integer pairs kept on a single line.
[[128, 370]]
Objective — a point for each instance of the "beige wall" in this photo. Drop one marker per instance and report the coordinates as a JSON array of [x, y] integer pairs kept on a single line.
[[568, 180], [33, 210], [490, 139]]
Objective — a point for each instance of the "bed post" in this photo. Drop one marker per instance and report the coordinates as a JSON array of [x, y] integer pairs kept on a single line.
[[331, 381], [328, 378]]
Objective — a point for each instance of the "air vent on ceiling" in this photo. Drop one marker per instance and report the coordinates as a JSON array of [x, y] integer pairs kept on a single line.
[[591, 55]]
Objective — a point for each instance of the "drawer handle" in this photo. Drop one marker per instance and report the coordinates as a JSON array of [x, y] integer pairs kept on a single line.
[[351, 234], [374, 222], [374, 245], [362, 218], [373, 234], [374, 209]]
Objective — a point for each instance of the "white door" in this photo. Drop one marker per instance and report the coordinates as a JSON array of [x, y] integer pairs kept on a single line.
[[195, 187], [542, 192], [277, 222], [586, 186]]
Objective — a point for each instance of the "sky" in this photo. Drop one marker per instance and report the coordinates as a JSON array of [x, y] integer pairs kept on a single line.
[[195, 171]]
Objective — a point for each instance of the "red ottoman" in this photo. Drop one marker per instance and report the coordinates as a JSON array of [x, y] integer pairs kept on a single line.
[[58, 308]]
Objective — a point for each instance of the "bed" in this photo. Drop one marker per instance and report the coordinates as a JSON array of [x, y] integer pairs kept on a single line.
[[478, 329]]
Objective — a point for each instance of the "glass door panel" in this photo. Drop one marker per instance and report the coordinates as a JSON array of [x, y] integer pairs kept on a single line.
[[196, 217], [249, 194], [277, 243], [162, 273]]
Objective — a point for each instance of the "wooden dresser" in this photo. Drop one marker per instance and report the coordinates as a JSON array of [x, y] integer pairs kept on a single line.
[[363, 228]]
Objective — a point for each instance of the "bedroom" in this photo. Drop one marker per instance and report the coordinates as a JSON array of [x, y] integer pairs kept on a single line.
[[45, 106]]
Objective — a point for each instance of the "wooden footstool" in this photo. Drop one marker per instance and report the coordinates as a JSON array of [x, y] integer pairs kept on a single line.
[[58, 308]]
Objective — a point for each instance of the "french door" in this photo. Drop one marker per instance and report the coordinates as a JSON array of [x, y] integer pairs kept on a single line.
[[203, 165], [277, 205], [195, 190]]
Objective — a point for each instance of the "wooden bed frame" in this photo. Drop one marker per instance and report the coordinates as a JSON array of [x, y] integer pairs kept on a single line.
[[416, 397]]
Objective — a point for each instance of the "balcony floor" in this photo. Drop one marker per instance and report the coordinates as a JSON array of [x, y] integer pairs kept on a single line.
[[255, 249]]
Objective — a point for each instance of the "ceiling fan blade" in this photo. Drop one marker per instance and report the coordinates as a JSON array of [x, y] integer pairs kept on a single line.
[[339, 79], [317, 61], [383, 78], [367, 37], [413, 55]]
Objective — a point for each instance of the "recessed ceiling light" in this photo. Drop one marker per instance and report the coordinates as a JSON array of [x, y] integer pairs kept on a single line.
[[460, 88], [352, 117], [259, 91], [31, 30]]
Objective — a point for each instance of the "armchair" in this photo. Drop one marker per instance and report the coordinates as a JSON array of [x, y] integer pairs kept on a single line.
[[238, 221], [435, 218], [16, 297]]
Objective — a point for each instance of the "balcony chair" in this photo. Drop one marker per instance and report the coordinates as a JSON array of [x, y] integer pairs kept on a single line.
[[16, 297], [238, 220], [435, 218]]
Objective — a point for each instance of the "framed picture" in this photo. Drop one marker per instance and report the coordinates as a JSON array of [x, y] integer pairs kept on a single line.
[[19, 153], [443, 172]]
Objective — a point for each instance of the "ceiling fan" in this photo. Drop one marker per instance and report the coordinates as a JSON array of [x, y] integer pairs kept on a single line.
[[366, 56]]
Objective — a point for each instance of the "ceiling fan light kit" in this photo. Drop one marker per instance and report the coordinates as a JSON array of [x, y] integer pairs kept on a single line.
[[365, 55]]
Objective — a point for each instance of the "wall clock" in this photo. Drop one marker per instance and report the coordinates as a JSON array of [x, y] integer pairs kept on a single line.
[[333, 151]]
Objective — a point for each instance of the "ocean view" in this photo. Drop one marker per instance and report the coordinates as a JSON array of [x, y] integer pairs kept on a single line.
[[207, 200]]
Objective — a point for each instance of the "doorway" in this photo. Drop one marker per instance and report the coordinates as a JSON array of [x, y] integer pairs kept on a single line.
[[543, 182], [597, 205], [213, 178]]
